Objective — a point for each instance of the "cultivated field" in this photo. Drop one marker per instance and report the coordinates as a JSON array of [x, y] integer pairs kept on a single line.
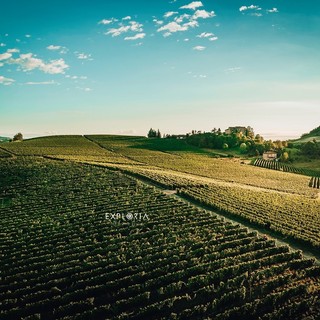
[[87, 238]]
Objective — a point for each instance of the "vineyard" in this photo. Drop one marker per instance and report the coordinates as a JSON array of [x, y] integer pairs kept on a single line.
[[315, 182], [275, 165], [62, 258], [294, 216], [4, 154], [64, 147], [203, 164]]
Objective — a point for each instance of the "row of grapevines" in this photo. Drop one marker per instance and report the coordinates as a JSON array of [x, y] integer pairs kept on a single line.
[[275, 165], [63, 259]]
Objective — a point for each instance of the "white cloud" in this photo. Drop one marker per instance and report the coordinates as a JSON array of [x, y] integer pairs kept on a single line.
[[273, 10], [193, 5], [41, 83], [87, 89], [167, 34], [28, 36], [199, 48], [191, 24], [173, 27], [182, 17], [186, 40], [169, 14], [213, 38], [126, 18], [5, 56], [158, 22], [52, 47], [205, 35], [28, 62], [6, 81], [136, 37], [107, 21], [203, 14], [1, 64], [252, 7], [13, 50], [2, 44]]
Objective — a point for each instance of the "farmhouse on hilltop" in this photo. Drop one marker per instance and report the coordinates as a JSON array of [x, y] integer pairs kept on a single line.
[[246, 131], [269, 155]]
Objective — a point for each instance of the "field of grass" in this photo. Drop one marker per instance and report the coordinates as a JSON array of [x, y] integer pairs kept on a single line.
[[62, 258]]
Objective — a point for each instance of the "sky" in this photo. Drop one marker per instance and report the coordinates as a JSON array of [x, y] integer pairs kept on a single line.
[[121, 67]]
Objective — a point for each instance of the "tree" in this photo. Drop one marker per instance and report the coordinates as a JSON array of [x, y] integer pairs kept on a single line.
[[158, 134], [284, 157], [18, 137], [243, 147], [152, 133]]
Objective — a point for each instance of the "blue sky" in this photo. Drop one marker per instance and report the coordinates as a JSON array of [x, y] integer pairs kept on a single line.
[[125, 66]]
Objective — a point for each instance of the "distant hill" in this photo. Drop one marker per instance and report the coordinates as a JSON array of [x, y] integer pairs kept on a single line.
[[4, 139], [313, 134]]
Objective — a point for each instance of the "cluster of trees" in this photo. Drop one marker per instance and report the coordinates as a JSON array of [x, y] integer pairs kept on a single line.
[[248, 144], [311, 149], [18, 137], [154, 133]]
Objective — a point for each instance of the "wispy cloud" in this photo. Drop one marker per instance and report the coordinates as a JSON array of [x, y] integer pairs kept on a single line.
[[5, 56], [52, 47], [6, 81], [273, 10], [170, 13], [41, 83], [13, 50], [136, 37], [199, 48], [208, 35], [61, 49], [107, 21], [232, 69], [205, 35], [133, 26], [126, 18], [193, 5], [2, 44], [83, 56]]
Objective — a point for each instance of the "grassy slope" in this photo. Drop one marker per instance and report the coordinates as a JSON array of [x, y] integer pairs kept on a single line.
[[300, 161]]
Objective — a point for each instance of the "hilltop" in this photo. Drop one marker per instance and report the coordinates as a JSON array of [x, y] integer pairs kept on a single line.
[[313, 134]]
